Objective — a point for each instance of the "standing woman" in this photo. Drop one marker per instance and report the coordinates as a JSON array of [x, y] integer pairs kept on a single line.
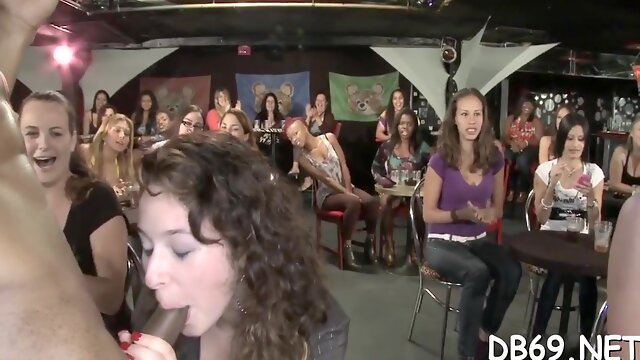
[[561, 191], [465, 192], [547, 142], [522, 137], [91, 120], [385, 121]]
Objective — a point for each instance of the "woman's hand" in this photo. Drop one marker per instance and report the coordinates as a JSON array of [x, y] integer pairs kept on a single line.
[[556, 172], [468, 213], [587, 191], [145, 347]]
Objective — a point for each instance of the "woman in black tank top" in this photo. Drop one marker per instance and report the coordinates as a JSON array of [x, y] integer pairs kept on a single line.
[[624, 163]]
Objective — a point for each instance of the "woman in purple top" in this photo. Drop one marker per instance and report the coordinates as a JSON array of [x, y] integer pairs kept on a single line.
[[464, 191]]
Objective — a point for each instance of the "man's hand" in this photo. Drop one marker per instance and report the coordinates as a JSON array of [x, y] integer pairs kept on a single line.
[[26, 15]]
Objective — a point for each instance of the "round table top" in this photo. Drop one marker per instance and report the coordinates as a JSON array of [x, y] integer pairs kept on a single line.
[[396, 190], [552, 250]]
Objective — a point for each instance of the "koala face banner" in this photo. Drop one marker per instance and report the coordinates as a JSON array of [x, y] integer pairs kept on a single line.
[[176, 94], [291, 90], [360, 98]]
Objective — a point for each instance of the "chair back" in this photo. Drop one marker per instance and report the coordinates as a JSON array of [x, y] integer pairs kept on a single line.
[[507, 172], [530, 212], [418, 226], [599, 328], [336, 130]]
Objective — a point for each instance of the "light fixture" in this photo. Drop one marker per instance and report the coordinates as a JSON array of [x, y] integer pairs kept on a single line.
[[63, 55]]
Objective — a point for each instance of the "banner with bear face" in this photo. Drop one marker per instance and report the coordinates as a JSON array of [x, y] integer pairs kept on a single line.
[[176, 94], [360, 98], [291, 90]]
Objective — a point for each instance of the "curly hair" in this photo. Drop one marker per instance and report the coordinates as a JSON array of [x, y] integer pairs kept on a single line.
[[221, 180], [484, 148]]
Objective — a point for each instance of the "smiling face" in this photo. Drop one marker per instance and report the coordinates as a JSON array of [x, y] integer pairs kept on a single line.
[[321, 104], [48, 140], [297, 134], [222, 99], [574, 145], [118, 136], [182, 271], [270, 103], [232, 125], [469, 117], [191, 122], [162, 121], [397, 101], [146, 102], [101, 100], [406, 127], [527, 109]]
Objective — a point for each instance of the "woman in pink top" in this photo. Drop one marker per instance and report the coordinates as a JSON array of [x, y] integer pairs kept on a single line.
[[222, 104]]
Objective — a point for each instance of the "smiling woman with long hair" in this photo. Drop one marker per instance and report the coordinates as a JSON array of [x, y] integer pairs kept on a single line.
[[464, 193]]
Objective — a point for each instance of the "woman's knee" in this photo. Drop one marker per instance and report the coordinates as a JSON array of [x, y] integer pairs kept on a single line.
[[477, 275]]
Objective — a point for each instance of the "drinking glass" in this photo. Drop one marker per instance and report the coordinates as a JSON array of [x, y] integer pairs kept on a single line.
[[602, 235], [395, 176], [574, 226], [404, 176]]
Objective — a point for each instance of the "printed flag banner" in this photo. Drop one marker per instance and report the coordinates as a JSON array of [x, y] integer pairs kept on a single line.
[[176, 94], [360, 98], [292, 91]]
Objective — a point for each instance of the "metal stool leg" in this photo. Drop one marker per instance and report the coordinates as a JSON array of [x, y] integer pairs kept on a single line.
[[535, 284], [416, 308], [444, 323]]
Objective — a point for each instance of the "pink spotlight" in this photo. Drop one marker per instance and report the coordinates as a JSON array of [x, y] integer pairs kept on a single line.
[[63, 54]]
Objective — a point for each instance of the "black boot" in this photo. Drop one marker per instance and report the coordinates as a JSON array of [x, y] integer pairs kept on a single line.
[[349, 260], [370, 250]]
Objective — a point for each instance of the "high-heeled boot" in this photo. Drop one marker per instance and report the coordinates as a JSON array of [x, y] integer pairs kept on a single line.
[[388, 251], [349, 260], [370, 249]]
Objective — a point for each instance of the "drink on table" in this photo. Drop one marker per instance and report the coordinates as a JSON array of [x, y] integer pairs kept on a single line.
[[574, 226], [602, 235]]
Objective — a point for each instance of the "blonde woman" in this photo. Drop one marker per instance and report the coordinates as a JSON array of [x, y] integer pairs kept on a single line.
[[222, 104], [110, 155]]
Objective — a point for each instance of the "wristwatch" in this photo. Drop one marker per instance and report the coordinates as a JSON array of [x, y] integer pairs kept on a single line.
[[593, 204]]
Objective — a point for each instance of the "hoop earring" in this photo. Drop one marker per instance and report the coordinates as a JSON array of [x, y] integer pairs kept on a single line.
[[238, 305]]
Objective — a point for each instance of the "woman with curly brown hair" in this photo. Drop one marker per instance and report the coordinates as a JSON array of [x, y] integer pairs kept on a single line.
[[226, 240], [464, 193]]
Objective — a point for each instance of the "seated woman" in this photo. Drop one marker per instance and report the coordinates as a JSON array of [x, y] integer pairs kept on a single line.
[[230, 244], [86, 209], [320, 121], [322, 158], [405, 150], [110, 154], [191, 122], [624, 176], [523, 134], [92, 118], [385, 121], [560, 191], [547, 142], [465, 192], [222, 104], [236, 123]]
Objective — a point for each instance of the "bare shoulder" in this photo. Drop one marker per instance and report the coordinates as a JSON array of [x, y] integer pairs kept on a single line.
[[620, 153]]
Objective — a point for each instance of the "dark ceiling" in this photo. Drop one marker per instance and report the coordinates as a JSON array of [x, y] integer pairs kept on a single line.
[[597, 26]]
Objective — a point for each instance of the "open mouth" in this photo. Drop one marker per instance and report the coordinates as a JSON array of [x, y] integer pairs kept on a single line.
[[471, 131], [44, 162]]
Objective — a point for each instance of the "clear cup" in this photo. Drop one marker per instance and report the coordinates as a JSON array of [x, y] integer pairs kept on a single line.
[[575, 225], [395, 176], [602, 235], [404, 176]]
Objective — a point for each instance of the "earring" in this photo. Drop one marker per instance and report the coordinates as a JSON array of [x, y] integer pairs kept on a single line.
[[242, 309]]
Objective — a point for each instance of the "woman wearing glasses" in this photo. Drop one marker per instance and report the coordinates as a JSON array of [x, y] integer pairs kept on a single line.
[[192, 121]]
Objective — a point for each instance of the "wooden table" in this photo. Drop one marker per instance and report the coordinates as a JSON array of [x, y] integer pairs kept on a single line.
[[554, 251]]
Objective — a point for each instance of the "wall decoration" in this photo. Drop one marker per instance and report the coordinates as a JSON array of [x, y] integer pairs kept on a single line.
[[292, 91], [360, 98], [176, 94]]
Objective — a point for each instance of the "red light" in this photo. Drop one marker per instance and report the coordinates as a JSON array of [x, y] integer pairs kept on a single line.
[[63, 55], [244, 50]]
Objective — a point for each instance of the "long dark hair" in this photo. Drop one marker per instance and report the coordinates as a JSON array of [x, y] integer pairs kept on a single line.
[[552, 129], [484, 150], [95, 97], [264, 114], [416, 137], [224, 182], [569, 122], [390, 112], [518, 111], [82, 179], [103, 110], [153, 111]]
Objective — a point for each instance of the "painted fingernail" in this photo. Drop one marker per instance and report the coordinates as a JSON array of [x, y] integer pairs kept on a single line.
[[135, 336], [124, 345]]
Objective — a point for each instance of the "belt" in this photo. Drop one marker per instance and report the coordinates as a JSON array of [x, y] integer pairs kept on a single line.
[[456, 238]]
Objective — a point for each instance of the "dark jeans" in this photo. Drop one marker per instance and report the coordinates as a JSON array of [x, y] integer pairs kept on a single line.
[[474, 265], [549, 294], [521, 179]]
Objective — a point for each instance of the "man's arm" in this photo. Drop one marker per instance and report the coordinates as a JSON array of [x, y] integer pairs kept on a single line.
[[44, 310]]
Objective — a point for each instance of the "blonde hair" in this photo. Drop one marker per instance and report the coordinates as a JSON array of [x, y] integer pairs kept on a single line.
[[124, 160], [225, 92]]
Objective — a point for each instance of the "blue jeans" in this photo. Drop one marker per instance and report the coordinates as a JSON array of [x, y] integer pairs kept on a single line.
[[588, 297], [474, 265], [522, 177]]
